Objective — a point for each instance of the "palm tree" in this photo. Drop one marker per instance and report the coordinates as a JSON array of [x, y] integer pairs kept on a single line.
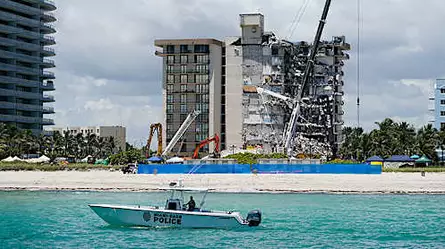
[[427, 140], [90, 143], [100, 145]]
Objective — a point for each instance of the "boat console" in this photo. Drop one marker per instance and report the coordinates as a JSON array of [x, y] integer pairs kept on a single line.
[[173, 204]]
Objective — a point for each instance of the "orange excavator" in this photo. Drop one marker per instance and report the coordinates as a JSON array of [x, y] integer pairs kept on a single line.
[[206, 141], [158, 128]]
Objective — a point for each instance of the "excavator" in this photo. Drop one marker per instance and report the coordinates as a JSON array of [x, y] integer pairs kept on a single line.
[[206, 141], [158, 128]]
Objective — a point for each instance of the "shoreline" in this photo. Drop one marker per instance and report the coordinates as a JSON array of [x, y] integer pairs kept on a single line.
[[114, 181], [259, 191]]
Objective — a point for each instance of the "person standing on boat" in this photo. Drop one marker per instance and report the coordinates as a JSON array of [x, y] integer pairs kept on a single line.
[[191, 204]]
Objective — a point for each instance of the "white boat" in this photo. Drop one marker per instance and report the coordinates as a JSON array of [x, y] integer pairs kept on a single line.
[[174, 214]]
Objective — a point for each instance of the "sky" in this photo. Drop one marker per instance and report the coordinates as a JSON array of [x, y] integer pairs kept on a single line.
[[107, 73]]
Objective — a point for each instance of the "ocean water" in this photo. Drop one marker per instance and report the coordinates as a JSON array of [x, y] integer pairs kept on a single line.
[[63, 220]]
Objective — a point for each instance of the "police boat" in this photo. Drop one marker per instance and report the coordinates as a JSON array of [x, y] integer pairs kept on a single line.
[[175, 213]]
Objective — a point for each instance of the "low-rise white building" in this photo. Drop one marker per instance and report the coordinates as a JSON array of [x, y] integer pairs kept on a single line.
[[117, 132]]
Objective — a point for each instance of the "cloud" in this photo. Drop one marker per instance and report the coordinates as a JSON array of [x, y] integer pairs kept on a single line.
[[107, 72]]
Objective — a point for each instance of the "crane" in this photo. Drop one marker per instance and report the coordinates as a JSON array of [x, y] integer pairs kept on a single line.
[[180, 132], [206, 141], [157, 127]]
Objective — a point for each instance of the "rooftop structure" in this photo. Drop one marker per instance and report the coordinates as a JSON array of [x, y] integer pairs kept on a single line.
[[25, 37]]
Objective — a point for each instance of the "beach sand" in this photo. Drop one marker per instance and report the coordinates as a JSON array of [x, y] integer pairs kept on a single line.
[[432, 183]]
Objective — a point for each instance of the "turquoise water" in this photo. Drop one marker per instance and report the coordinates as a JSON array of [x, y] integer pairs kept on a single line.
[[63, 220]]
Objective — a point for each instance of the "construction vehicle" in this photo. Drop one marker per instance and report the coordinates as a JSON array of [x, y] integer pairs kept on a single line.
[[206, 141], [182, 129], [158, 129]]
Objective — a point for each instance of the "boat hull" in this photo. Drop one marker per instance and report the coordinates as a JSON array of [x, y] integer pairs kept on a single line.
[[152, 217]]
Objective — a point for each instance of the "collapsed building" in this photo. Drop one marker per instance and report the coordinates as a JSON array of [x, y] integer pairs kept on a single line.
[[247, 88], [271, 70]]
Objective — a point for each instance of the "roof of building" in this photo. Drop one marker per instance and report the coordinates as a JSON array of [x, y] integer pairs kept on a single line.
[[399, 158], [164, 42], [423, 159], [374, 159]]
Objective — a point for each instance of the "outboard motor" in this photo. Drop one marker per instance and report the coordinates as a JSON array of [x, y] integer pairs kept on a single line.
[[254, 218]]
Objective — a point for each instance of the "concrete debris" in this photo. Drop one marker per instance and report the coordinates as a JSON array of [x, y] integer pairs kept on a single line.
[[278, 66]]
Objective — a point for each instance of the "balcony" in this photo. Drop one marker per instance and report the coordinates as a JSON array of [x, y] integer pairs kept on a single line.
[[28, 107], [19, 19], [46, 51], [48, 110], [20, 69], [48, 17], [7, 105], [20, 119], [48, 40], [19, 44], [21, 57], [47, 121], [47, 63], [19, 81], [48, 5], [47, 86], [46, 28], [20, 94], [48, 75], [19, 7], [48, 98]]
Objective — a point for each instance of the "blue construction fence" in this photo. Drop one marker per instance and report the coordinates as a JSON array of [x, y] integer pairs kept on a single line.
[[259, 168]]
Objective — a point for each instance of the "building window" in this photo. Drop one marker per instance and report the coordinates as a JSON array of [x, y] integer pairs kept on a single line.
[[169, 117], [170, 69], [184, 78], [183, 68], [170, 59], [177, 79], [183, 88], [169, 98], [201, 48], [170, 78], [184, 48], [169, 88], [442, 113], [442, 126], [184, 59], [183, 108], [442, 101], [202, 68], [183, 98], [170, 49], [442, 90], [202, 59], [169, 108], [202, 78], [169, 128]]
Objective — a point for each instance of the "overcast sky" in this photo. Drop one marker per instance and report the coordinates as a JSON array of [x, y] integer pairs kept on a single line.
[[107, 73]]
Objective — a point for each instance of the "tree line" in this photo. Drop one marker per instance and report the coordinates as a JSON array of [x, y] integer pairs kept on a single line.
[[16, 142], [392, 138]]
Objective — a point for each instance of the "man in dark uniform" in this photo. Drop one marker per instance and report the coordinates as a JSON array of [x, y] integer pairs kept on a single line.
[[191, 204]]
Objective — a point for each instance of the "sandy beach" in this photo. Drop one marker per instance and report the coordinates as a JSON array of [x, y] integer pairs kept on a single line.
[[432, 183]]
